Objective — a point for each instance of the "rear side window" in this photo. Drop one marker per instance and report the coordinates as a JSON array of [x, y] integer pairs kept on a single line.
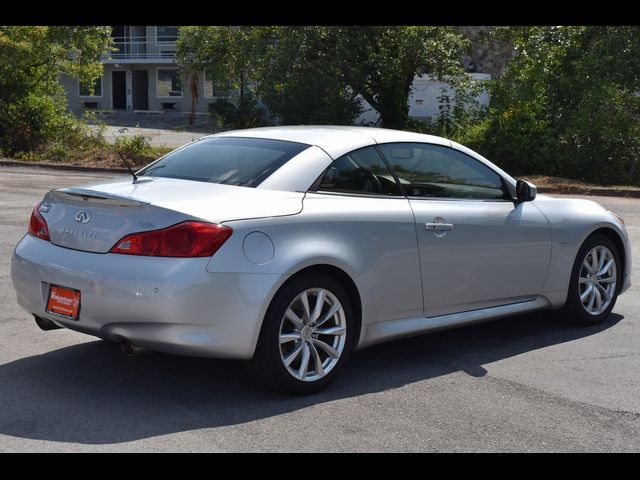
[[245, 162], [361, 171]]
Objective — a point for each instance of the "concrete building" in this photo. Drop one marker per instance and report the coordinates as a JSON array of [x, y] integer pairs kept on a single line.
[[140, 75]]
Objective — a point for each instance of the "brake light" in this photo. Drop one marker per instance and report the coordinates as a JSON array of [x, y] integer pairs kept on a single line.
[[38, 225], [186, 239]]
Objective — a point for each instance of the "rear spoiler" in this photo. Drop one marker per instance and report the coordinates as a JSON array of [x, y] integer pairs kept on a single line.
[[94, 196]]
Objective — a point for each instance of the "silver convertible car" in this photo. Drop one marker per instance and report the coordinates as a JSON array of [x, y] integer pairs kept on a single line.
[[292, 246]]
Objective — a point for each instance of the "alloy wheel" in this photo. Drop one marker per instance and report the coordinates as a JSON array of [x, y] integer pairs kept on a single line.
[[313, 334], [597, 280]]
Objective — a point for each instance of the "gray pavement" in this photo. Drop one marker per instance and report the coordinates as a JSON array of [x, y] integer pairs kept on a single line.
[[165, 129], [519, 384]]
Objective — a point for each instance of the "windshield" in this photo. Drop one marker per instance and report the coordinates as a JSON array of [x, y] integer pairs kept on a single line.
[[245, 162]]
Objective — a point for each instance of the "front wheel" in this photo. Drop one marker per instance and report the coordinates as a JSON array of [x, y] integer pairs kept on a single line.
[[307, 335], [595, 277]]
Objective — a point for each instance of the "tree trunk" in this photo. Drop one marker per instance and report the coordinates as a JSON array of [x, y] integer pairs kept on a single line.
[[194, 97], [394, 112]]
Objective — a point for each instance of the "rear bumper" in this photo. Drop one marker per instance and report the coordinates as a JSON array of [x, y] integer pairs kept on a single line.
[[167, 304]]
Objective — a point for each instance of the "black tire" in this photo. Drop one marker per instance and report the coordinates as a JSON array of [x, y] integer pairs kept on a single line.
[[573, 311], [267, 364]]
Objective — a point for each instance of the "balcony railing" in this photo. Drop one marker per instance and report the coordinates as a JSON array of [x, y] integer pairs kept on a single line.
[[139, 48]]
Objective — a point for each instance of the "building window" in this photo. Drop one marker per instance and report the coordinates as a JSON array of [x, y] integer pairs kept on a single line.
[[215, 88], [166, 34], [169, 84], [84, 90]]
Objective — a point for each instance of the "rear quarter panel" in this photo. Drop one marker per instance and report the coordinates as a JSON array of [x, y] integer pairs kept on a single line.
[[373, 240]]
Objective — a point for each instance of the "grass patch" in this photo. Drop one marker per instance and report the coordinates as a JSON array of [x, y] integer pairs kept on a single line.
[[88, 147], [103, 157]]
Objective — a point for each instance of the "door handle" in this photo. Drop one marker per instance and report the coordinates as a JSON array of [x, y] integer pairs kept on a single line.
[[439, 226]]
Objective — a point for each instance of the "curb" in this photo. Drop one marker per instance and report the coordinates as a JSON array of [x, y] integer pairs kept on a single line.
[[63, 167], [569, 190]]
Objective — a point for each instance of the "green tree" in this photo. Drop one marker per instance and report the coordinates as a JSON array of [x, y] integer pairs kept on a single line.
[[225, 53], [298, 76], [317, 74], [32, 58], [213, 49], [280, 62], [381, 62], [568, 104]]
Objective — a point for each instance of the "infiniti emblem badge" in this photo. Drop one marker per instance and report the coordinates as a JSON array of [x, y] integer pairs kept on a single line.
[[83, 216]]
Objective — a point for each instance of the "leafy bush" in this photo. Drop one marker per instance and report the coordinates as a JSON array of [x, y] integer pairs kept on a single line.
[[32, 102], [136, 145], [223, 111], [29, 122], [461, 117], [92, 130], [58, 153], [246, 114]]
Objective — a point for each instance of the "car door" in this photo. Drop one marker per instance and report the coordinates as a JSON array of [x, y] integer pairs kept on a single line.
[[357, 207], [478, 248]]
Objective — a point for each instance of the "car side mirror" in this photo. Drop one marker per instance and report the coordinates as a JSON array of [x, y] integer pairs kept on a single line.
[[525, 191]]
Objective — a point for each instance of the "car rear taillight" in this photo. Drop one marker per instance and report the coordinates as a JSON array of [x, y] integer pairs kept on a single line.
[[38, 225], [186, 239]]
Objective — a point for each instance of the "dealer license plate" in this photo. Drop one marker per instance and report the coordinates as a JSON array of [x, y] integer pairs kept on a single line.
[[64, 301]]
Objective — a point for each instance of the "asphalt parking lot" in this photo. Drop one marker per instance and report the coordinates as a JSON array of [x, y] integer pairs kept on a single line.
[[523, 383]]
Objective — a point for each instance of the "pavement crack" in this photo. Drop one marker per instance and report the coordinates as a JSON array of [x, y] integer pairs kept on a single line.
[[601, 358], [562, 398]]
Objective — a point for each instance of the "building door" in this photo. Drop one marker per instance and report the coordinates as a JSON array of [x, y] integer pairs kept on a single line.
[[140, 90], [119, 90]]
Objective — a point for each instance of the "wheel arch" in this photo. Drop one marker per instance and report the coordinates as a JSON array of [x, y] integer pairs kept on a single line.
[[615, 237], [573, 311], [341, 276], [565, 250]]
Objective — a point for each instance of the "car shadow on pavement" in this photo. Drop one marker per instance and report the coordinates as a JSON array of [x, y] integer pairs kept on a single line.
[[92, 393]]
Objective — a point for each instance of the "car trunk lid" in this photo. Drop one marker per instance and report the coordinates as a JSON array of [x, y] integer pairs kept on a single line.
[[93, 218]]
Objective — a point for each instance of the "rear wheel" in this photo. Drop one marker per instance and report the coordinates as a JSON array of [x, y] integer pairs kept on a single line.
[[307, 335], [595, 278]]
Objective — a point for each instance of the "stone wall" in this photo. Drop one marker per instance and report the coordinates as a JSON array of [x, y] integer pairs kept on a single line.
[[488, 55]]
